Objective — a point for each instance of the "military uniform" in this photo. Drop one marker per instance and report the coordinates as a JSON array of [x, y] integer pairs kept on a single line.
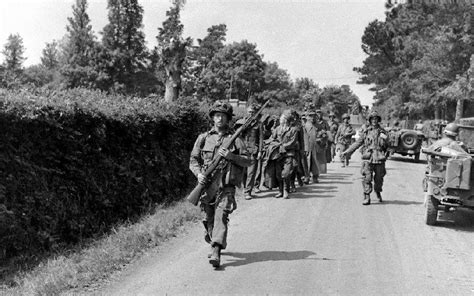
[[373, 141], [343, 140], [333, 127], [287, 137], [218, 199], [315, 141], [253, 138]]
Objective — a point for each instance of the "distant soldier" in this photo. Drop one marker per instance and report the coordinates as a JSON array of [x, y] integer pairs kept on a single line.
[[286, 135], [315, 142], [323, 127], [373, 141], [333, 126], [450, 133], [253, 138], [343, 138], [218, 200]]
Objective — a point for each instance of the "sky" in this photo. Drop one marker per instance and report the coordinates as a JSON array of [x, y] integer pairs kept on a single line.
[[319, 39]]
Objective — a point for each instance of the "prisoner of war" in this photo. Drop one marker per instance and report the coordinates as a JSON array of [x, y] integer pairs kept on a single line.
[[218, 199], [373, 143]]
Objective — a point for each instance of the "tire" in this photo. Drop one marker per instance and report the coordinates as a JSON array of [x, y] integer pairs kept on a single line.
[[417, 157], [431, 216], [409, 139]]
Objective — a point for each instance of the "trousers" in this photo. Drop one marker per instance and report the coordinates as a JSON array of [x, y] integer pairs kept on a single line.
[[216, 207], [375, 172]]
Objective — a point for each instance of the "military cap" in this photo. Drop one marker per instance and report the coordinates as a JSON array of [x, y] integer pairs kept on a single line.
[[222, 107], [331, 114], [345, 115]]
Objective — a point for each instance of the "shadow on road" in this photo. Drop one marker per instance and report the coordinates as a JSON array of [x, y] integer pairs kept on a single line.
[[240, 259], [405, 159], [398, 202], [460, 220]]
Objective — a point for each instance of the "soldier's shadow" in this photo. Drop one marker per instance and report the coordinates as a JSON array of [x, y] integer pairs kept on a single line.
[[239, 259], [397, 202]]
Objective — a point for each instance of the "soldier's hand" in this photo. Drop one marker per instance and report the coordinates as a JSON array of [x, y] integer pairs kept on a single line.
[[201, 179], [224, 152]]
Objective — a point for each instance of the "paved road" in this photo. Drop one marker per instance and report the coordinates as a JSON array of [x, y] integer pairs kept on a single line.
[[321, 241]]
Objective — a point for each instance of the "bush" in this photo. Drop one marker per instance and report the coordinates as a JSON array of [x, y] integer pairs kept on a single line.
[[74, 163]]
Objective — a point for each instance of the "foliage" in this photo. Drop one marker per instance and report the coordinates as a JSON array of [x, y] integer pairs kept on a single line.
[[12, 67], [415, 55], [236, 71], [76, 162], [124, 45], [172, 49], [50, 58]]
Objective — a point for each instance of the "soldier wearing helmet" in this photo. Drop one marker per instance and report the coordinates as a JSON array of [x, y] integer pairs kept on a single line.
[[333, 126], [218, 200], [450, 133], [253, 138], [343, 138], [373, 143]]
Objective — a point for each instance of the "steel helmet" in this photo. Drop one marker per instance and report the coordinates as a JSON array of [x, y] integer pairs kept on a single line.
[[451, 129], [222, 107], [345, 115], [374, 114]]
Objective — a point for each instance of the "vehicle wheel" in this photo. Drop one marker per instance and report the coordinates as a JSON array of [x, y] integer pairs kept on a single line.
[[431, 210], [409, 139], [417, 157]]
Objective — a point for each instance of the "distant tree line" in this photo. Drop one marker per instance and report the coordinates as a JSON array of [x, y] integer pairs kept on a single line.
[[420, 61], [207, 70]]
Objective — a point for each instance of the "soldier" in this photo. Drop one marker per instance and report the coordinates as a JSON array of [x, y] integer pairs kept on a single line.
[[323, 128], [343, 138], [374, 146], [253, 138], [286, 137], [333, 126], [218, 200], [315, 140], [449, 139]]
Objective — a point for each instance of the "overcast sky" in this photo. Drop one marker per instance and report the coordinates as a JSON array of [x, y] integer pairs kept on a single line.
[[319, 39]]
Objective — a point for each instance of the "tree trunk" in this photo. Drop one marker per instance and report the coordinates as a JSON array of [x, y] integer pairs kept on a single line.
[[459, 109], [172, 87]]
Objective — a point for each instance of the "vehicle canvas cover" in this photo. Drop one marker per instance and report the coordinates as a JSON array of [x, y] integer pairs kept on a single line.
[[458, 173]]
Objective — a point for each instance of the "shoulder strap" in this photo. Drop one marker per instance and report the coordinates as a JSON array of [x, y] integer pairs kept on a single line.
[[203, 139]]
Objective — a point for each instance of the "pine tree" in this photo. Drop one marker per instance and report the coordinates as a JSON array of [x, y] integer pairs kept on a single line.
[[80, 49], [124, 42], [12, 67], [50, 58]]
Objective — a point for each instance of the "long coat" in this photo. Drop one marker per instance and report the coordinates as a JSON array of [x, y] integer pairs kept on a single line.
[[315, 141]]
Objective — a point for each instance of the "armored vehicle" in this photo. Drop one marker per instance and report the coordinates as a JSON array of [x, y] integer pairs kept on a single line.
[[449, 179]]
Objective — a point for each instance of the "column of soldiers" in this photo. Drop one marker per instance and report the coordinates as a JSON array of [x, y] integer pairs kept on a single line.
[[275, 152]]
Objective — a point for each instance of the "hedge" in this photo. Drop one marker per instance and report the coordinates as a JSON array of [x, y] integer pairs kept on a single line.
[[74, 163]]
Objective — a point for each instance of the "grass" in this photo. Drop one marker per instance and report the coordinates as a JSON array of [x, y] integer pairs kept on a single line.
[[105, 256]]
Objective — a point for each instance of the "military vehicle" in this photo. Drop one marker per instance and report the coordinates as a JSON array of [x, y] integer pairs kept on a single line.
[[449, 179], [405, 142]]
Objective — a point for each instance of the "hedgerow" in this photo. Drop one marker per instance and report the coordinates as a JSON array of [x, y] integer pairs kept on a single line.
[[73, 163]]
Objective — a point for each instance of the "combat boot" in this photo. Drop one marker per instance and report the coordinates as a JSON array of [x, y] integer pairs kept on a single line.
[[215, 259], [343, 164], [379, 195], [366, 200], [286, 188]]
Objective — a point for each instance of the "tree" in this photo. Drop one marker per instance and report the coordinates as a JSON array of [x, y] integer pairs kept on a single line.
[[307, 91], [278, 86], [199, 57], [414, 55], [79, 49], [236, 71], [13, 52], [50, 58], [124, 43], [172, 49]]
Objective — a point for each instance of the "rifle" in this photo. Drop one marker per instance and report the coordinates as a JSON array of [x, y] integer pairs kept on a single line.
[[194, 196]]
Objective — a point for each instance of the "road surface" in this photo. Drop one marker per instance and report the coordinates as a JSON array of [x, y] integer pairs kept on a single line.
[[321, 241]]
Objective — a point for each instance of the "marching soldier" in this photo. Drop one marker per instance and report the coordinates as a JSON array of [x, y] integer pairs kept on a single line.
[[286, 135], [253, 138], [315, 140], [218, 200], [343, 138], [333, 127], [373, 141]]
